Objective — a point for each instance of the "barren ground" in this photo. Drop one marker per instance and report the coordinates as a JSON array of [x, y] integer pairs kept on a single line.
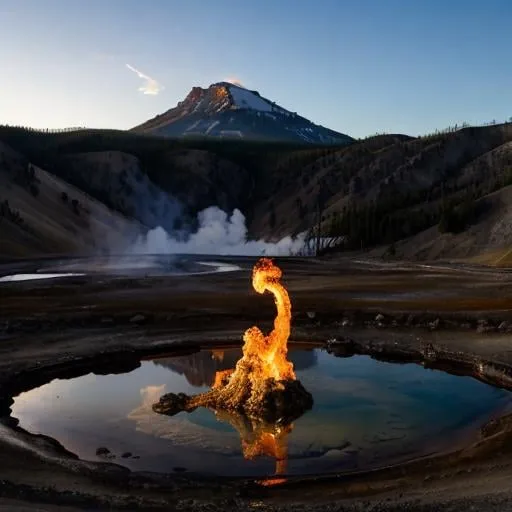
[[454, 316]]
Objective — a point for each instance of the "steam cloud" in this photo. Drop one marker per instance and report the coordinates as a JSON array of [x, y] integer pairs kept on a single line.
[[151, 86], [219, 234], [234, 81]]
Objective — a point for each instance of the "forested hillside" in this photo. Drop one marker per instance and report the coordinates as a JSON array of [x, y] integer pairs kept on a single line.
[[373, 192]]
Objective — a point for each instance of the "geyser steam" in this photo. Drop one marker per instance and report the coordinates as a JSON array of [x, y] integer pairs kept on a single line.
[[218, 233]]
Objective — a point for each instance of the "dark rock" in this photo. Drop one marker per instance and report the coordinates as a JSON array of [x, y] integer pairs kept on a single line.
[[102, 451], [435, 324], [126, 455], [281, 401], [341, 348], [481, 326], [171, 404], [277, 401], [429, 351]]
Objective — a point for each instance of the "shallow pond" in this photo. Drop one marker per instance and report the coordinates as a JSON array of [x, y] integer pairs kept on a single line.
[[366, 414], [139, 266]]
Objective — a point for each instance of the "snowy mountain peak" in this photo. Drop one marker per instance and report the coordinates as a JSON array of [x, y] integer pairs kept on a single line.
[[228, 110], [244, 98], [226, 96]]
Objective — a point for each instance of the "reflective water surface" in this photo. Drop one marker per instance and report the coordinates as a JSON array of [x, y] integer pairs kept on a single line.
[[142, 266], [366, 414], [30, 277]]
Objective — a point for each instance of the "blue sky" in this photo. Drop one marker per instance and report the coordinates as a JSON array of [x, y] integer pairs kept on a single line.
[[359, 66]]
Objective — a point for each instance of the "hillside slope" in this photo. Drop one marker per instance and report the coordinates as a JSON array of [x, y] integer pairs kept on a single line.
[[488, 240], [388, 188], [42, 214]]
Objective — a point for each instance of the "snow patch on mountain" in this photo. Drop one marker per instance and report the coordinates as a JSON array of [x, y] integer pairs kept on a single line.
[[211, 127], [242, 98]]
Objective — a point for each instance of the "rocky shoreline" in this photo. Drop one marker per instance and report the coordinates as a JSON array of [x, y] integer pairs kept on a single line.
[[480, 322]]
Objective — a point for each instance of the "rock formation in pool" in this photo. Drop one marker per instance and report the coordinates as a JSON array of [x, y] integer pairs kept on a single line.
[[263, 386]]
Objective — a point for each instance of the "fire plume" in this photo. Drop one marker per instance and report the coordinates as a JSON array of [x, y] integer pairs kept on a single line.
[[261, 396], [266, 355]]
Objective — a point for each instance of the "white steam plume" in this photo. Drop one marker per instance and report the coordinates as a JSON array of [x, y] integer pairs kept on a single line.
[[218, 234], [151, 86], [235, 81]]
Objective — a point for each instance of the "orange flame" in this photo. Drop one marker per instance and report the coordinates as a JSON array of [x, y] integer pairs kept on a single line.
[[271, 349]]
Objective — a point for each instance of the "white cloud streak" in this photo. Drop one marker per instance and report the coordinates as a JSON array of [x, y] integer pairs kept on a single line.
[[150, 86]]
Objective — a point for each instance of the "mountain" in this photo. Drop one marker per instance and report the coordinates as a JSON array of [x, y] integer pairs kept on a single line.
[[229, 111]]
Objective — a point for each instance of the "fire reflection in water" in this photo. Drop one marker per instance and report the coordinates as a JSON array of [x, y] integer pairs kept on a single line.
[[260, 439]]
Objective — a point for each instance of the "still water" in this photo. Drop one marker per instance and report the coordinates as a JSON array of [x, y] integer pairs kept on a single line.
[[366, 414]]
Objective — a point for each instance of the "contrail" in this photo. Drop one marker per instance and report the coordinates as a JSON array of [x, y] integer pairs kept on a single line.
[[151, 86]]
